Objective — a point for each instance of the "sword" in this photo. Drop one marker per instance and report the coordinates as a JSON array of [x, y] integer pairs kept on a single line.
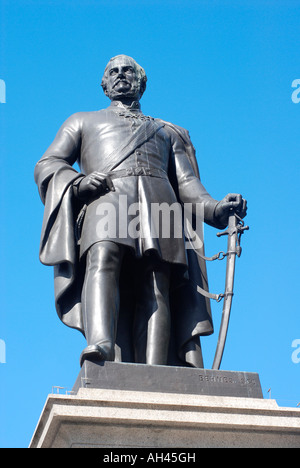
[[234, 231]]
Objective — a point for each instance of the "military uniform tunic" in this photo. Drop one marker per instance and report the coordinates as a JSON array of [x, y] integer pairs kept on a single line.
[[166, 176]]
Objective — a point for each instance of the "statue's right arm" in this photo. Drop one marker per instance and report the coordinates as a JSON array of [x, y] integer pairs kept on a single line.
[[61, 154]]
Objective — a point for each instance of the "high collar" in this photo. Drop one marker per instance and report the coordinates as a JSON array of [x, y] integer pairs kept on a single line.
[[135, 105]]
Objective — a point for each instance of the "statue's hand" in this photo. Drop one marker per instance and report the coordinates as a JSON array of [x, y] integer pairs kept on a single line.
[[93, 184], [232, 202]]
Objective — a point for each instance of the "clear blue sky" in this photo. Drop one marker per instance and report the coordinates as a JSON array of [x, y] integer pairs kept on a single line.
[[221, 69]]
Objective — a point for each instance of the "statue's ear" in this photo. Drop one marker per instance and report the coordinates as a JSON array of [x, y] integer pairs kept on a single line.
[[103, 86], [143, 88]]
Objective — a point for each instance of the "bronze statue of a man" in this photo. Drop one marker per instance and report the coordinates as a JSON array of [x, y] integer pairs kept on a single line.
[[132, 293]]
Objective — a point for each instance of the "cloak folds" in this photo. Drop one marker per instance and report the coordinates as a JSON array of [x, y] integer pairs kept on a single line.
[[191, 313]]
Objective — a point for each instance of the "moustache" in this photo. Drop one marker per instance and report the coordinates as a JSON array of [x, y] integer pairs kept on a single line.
[[120, 81]]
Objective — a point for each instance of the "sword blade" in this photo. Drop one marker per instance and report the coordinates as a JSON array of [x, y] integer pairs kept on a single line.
[[230, 269]]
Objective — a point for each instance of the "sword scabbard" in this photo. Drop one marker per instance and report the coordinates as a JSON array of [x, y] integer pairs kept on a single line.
[[232, 232]]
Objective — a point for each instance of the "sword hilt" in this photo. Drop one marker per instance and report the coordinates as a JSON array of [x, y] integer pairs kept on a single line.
[[235, 226]]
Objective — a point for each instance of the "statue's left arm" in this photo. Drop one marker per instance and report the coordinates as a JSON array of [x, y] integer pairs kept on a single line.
[[191, 190]]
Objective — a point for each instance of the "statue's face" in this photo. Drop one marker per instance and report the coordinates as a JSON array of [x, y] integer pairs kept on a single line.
[[122, 80]]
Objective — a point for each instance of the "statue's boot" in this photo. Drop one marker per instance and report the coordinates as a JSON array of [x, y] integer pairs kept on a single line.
[[152, 320], [100, 300], [93, 353]]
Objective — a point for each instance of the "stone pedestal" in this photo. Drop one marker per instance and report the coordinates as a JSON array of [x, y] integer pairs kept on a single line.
[[168, 379], [132, 406], [128, 419]]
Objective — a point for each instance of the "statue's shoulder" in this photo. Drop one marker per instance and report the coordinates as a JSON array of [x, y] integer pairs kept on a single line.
[[176, 130], [183, 134], [87, 116]]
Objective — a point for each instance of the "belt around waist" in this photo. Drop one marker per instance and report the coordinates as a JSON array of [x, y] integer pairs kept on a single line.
[[139, 171]]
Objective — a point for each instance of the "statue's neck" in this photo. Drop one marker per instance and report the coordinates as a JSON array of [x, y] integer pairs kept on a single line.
[[127, 104]]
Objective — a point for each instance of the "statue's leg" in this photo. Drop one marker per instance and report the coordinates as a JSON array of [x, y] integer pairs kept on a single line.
[[100, 299], [152, 320]]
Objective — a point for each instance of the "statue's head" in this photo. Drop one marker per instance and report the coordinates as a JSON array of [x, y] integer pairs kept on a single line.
[[123, 78]]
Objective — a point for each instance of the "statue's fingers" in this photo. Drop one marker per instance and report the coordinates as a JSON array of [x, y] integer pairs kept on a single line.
[[110, 184], [243, 210], [230, 205], [97, 177], [95, 185], [234, 197]]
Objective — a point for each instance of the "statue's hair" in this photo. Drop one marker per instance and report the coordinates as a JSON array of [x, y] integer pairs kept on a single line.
[[142, 78]]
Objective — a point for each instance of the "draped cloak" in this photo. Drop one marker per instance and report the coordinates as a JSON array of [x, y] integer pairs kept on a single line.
[[190, 311]]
